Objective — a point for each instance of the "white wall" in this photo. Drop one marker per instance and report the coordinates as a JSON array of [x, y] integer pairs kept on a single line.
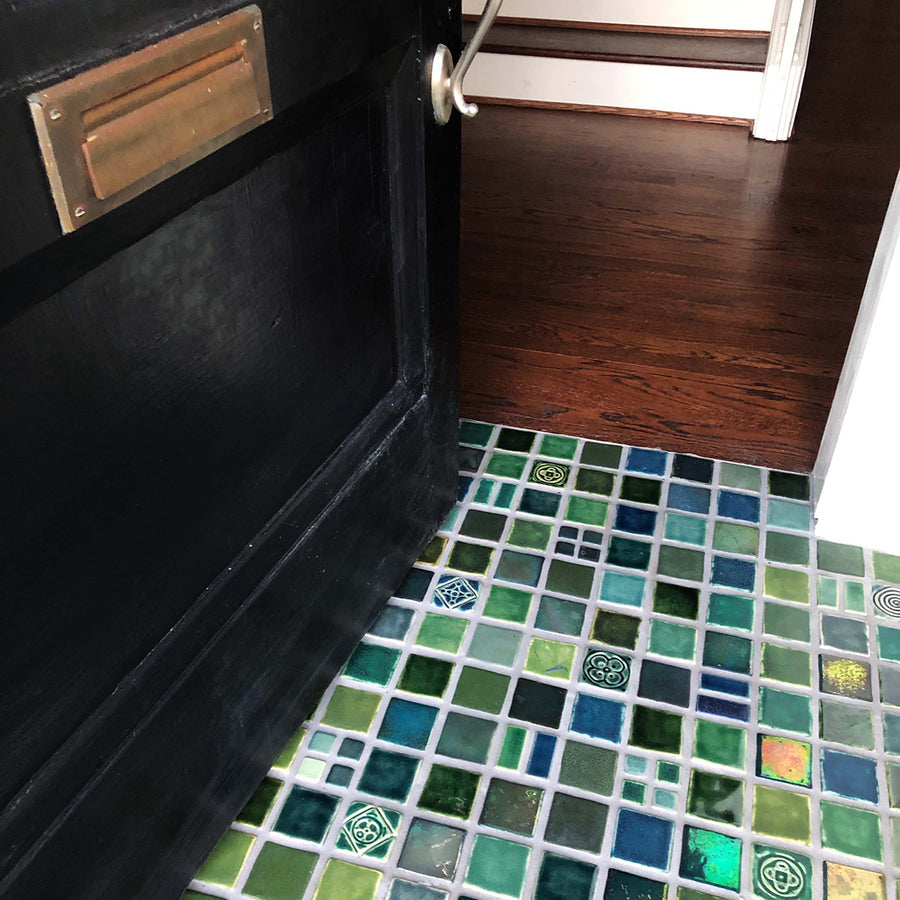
[[857, 473], [738, 15]]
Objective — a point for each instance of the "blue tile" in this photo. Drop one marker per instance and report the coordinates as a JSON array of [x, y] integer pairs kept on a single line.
[[415, 585], [739, 506], [730, 572], [650, 462], [635, 520], [407, 723], [717, 706], [850, 776], [522, 568], [724, 685], [643, 839], [598, 718], [541, 755], [463, 485], [455, 592], [688, 498]]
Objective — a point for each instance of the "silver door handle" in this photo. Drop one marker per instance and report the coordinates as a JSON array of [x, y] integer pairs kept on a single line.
[[447, 81]]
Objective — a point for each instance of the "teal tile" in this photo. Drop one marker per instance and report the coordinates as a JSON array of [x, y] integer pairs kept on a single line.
[[784, 710], [675, 641], [787, 514], [731, 611], [627, 590], [497, 865], [685, 529]]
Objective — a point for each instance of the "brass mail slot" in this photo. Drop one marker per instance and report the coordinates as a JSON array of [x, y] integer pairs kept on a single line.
[[111, 133]]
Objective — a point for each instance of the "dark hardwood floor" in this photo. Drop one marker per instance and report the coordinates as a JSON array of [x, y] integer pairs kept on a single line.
[[675, 284]]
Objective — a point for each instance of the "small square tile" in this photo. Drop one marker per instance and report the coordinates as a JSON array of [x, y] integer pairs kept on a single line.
[[746, 478], [655, 729], [491, 644], [665, 683], [664, 799], [466, 737], [306, 814], [606, 669], [311, 769], [716, 797], [853, 777], [778, 873], [711, 858], [497, 865], [561, 616], [634, 791], [598, 717], [784, 759], [668, 772], [515, 439], [676, 600], [845, 677], [552, 659], [408, 724], [432, 849], [643, 839], [617, 629], [552, 474], [345, 881], [636, 765], [561, 878], [388, 774], [719, 743], [449, 791], [536, 702], [606, 455], [577, 823], [425, 675], [781, 813], [481, 689], [368, 830], [339, 776], [641, 490], [280, 873], [223, 865], [626, 886], [351, 748], [588, 767], [851, 830]]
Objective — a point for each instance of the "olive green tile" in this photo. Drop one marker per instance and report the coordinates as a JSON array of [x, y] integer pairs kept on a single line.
[[280, 873], [223, 865], [786, 622], [552, 659], [841, 558], [432, 553], [734, 538], [588, 767], [792, 549], [530, 534], [473, 558], [347, 881], [286, 757], [351, 709], [594, 481], [787, 584], [605, 455], [441, 632], [449, 791], [481, 689], [425, 675], [570, 578], [886, 567], [781, 813], [786, 664], [679, 562], [486, 526]]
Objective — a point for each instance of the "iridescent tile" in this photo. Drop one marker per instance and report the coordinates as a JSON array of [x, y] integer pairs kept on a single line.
[[844, 882], [711, 858], [784, 759], [845, 677]]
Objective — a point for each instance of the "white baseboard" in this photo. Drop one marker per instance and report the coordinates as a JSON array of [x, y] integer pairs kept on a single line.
[[672, 89]]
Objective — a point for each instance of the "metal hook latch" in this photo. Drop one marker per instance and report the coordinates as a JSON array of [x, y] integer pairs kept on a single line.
[[447, 81]]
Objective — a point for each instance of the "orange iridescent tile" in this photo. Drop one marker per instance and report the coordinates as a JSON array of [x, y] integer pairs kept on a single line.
[[783, 759]]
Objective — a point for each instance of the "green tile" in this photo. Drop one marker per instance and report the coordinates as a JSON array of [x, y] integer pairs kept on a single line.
[[711, 858], [433, 550], [718, 798], [634, 791], [497, 865], [886, 567], [480, 689], [786, 514], [425, 675], [286, 757], [676, 600], [533, 535], [719, 743], [280, 873], [669, 639], [727, 651], [346, 881], [257, 807], [787, 584], [685, 529], [515, 439], [586, 511], [617, 629], [474, 558], [785, 664], [562, 878], [223, 865], [784, 710], [679, 562], [506, 465], [851, 830], [487, 526], [779, 873], [655, 729], [628, 553], [509, 604], [786, 622], [511, 750], [736, 538], [561, 616], [781, 813], [552, 659], [845, 723], [372, 663], [746, 478], [889, 643], [593, 481], [351, 709], [828, 591], [511, 807], [841, 558], [495, 645], [789, 484], [792, 549], [589, 768], [449, 791], [441, 632], [731, 611], [477, 433], [854, 596], [668, 772], [558, 447], [570, 578], [576, 822], [641, 490], [605, 455]]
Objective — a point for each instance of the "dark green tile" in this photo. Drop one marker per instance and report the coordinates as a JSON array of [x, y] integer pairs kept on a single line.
[[627, 886], [306, 814], [655, 729], [372, 663], [634, 791], [522, 568], [477, 433], [515, 439], [432, 552], [605, 455], [628, 554], [487, 526], [530, 534], [787, 548], [570, 578], [588, 768], [449, 791], [511, 807], [641, 490], [425, 675], [841, 558], [388, 774], [466, 737], [480, 689], [592, 481], [676, 600], [539, 503], [786, 622], [617, 629], [506, 465], [561, 878], [716, 797], [678, 562], [787, 484], [577, 823], [257, 807], [473, 558], [727, 651]]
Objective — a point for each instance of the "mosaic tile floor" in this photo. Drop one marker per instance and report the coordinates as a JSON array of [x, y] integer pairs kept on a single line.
[[614, 674]]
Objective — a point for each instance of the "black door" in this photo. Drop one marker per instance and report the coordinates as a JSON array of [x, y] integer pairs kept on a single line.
[[227, 425]]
